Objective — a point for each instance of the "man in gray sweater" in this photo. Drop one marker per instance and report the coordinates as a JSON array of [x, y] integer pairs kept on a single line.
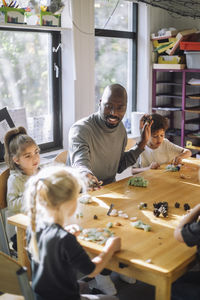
[[97, 147], [97, 143]]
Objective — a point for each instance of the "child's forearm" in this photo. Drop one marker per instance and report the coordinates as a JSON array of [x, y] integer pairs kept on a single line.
[[185, 154], [139, 170], [189, 218], [112, 245], [100, 261]]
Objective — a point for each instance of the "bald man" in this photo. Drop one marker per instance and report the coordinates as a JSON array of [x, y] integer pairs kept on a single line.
[[97, 143]]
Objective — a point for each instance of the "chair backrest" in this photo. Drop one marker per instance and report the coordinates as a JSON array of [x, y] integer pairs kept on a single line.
[[61, 157], [14, 279], [130, 143], [3, 187], [4, 245]]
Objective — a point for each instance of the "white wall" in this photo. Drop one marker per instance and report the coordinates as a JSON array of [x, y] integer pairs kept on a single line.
[[77, 62]]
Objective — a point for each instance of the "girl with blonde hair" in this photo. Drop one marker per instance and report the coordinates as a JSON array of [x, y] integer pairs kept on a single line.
[[55, 254]]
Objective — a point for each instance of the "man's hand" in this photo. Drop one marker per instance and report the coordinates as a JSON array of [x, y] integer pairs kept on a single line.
[[145, 124], [93, 183]]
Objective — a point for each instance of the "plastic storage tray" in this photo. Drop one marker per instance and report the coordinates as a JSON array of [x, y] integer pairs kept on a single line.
[[193, 59], [193, 46]]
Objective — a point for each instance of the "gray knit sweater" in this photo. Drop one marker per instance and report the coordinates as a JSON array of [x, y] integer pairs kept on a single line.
[[99, 150]]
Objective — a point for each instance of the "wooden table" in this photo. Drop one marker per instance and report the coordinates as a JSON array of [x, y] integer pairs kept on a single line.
[[169, 259]]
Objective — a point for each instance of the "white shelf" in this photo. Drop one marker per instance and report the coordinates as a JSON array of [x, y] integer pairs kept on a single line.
[[32, 27]]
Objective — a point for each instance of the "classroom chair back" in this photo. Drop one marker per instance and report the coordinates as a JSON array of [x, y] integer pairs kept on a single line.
[[14, 279], [4, 246], [61, 157]]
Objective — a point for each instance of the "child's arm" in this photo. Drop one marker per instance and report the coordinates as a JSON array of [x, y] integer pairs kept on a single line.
[[189, 218], [14, 194], [184, 154], [153, 165], [113, 244]]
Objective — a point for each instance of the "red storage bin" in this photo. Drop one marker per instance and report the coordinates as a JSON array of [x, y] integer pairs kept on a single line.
[[190, 46]]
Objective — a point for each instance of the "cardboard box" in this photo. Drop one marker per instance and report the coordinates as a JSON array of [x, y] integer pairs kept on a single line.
[[169, 66], [180, 36], [173, 59]]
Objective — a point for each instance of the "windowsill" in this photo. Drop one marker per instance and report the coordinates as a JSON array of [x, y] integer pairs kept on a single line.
[[45, 158], [33, 27]]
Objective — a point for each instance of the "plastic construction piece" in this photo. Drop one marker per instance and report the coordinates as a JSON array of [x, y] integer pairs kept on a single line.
[[85, 199], [160, 208], [172, 168], [177, 205], [109, 225], [96, 235], [186, 206], [138, 181], [140, 225], [142, 205], [110, 209]]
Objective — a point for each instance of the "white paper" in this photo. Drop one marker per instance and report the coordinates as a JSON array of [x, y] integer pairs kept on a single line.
[[194, 81], [19, 117], [4, 127]]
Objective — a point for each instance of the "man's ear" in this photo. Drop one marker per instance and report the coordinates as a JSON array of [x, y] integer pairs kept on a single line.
[[16, 160]]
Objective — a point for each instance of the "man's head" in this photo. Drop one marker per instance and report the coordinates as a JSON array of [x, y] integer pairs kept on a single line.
[[113, 105]]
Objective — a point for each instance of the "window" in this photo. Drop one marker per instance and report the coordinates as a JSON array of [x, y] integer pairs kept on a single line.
[[115, 49], [30, 80]]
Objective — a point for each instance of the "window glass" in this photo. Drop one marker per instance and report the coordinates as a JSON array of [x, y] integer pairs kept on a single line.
[[112, 66], [25, 79], [113, 14], [111, 63]]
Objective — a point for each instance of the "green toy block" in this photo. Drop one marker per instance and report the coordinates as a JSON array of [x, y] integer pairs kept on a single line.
[[138, 181], [140, 225]]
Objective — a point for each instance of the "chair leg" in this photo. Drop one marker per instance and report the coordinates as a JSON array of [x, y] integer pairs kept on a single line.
[[26, 289], [4, 246]]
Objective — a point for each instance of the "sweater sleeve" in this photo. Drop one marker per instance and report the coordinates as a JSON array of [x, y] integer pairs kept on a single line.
[[129, 158], [191, 234], [79, 259], [79, 150], [14, 194]]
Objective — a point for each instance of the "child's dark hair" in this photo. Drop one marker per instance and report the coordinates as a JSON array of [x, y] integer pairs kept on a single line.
[[159, 122], [16, 141]]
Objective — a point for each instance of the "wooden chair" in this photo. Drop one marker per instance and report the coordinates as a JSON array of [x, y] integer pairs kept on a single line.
[[130, 143], [4, 246], [14, 280], [61, 157]]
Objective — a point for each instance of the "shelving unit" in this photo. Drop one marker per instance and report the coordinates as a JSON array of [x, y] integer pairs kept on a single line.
[[189, 103]]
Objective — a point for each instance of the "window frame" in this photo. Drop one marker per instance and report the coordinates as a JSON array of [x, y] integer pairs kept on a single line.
[[56, 87], [127, 35]]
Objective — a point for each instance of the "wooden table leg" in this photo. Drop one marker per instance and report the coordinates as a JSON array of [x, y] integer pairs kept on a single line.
[[21, 250], [163, 289]]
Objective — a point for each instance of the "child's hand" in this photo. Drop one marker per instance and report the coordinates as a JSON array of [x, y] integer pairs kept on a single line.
[[177, 160], [146, 133], [154, 165], [73, 229], [113, 244]]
